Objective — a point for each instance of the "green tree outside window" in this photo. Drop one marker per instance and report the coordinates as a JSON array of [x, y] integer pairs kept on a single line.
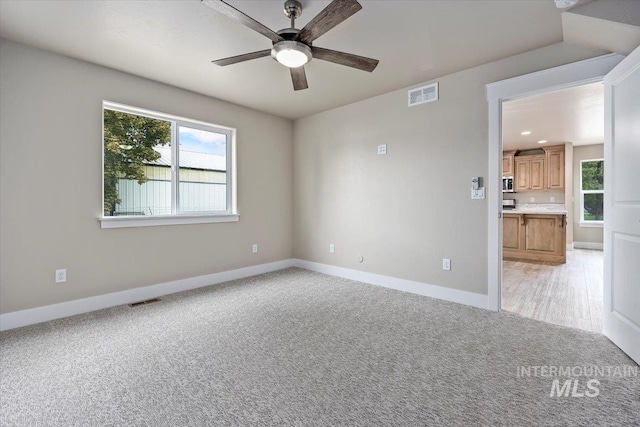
[[129, 140], [592, 173]]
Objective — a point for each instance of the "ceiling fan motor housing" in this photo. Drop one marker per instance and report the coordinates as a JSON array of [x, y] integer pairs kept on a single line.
[[289, 52], [288, 33]]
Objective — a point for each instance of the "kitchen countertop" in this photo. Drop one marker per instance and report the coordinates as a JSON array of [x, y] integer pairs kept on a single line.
[[538, 209]]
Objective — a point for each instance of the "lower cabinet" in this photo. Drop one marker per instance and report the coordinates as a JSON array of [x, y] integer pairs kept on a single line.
[[534, 237]]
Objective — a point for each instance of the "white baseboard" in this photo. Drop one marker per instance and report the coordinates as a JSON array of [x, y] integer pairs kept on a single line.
[[569, 246], [588, 245], [32, 316], [433, 291]]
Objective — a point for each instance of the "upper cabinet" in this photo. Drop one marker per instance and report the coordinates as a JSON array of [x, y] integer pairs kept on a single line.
[[536, 172], [507, 163], [529, 173], [555, 167]]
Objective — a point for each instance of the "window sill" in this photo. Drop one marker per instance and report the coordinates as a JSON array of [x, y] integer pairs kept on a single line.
[[594, 224], [153, 221]]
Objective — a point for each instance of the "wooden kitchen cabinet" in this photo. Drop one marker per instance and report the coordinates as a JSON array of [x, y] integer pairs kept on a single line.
[[534, 237], [529, 173], [554, 159], [508, 168], [511, 231]]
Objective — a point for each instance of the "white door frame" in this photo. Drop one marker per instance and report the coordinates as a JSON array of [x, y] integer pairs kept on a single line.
[[563, 77]]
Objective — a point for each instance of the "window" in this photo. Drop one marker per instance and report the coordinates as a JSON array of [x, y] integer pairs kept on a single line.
[[592, 192], [159, 169]]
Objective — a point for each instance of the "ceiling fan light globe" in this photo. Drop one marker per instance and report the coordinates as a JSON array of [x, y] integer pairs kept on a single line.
[[291, 58], [291, 54]]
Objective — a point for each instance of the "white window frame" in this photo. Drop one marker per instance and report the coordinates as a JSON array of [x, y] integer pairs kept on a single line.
[[229, 215], [583, 223]]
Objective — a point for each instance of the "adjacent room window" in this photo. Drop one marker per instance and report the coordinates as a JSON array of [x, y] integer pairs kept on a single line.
[[157, 165], [592, 191]]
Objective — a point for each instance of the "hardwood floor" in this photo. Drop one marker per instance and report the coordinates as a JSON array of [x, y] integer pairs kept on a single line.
[[569, 294]]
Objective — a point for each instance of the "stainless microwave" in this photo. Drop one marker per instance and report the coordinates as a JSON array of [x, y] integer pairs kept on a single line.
[[507, 184]]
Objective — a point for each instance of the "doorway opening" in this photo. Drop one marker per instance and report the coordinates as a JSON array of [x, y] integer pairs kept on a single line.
[[621, 76], [554, 79], [552, 216]]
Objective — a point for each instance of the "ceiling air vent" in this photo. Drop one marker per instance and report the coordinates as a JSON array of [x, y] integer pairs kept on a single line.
[[423, 94]]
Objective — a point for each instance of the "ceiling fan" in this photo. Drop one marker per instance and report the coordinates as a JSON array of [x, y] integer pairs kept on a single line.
[[292, 47]]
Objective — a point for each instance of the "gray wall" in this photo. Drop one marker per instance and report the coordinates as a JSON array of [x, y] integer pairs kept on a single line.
[[50, 163], [584, 152], [403, 212], [406, 210]]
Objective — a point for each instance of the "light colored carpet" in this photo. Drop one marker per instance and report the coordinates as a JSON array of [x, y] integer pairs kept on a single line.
[[303, 349]]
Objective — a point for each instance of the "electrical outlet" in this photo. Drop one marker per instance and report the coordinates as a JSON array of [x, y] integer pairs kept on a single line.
[[254, 249], [552, 199], [332, 248], [446, 264], [61, 275], [382, 149], [532, 200]]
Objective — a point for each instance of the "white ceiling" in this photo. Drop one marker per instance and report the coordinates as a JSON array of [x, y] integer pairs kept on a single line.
[[174, 41], [571, 115]]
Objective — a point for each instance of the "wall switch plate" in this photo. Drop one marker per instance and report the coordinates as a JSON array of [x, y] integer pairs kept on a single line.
[[332, 248], [382, 149], [446, 264], [477, 194], [254, 248], [61, 275]]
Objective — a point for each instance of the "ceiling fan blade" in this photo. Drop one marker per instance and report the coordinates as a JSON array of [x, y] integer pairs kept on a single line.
[[241, 58], [236, 15], [299, 78], [332, 15], [342, 58]]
